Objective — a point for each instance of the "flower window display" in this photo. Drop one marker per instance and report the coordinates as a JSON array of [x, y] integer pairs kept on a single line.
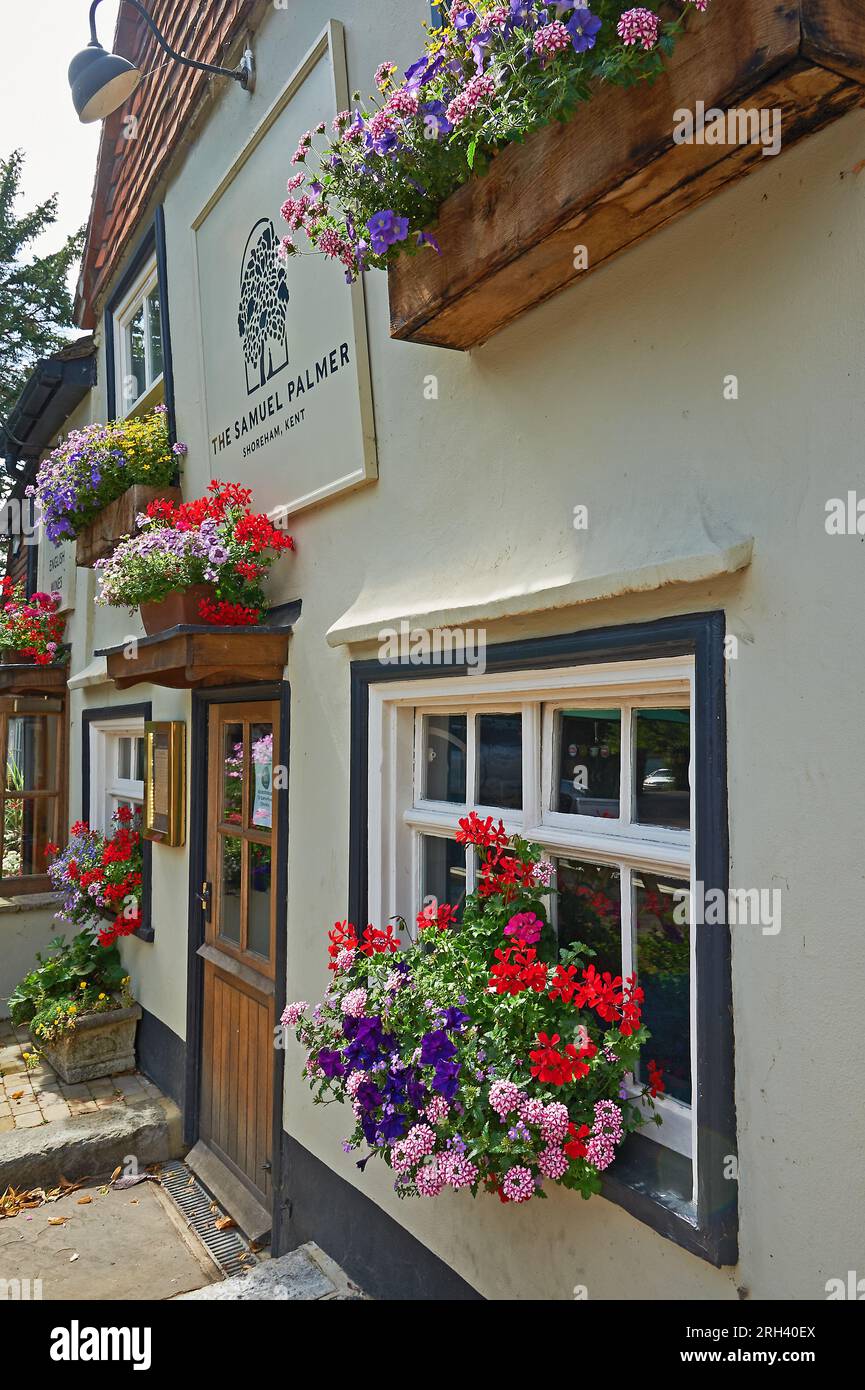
[[94, 466], [215, 549], [100, 877], [489, 76], [31, 629], [484, 1056]]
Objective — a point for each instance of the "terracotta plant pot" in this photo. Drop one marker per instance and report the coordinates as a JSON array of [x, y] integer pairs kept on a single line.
[[98, 1045], [177, 609]]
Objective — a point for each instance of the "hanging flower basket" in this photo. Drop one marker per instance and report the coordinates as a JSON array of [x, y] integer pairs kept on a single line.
[[31, 628], [92, 486]]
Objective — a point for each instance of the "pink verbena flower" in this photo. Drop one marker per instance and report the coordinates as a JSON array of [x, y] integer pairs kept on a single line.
[[457, 1170], [399, 1159], [438, 1110], [551, 39], [382, 123], [355, 1081], [608, 1120], [383, 74], [552, 1162], [419, 1142], [554, 1122], [639, 26], [532, 1111], [429, 1180], [600, 1151], [544, 872], [518, 1184], [293, 1012], [402, 103], [344, 958], [499, 16], [354, 1003], [504, 1097]]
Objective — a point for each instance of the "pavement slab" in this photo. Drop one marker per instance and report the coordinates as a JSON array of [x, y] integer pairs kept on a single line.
[[119, 1245]]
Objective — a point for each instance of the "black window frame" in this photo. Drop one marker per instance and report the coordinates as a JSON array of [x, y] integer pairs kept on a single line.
[[642, 1190], [104, 715], [152, 245]]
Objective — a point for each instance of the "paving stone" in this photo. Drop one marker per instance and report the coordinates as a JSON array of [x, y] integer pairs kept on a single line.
[[6, 1124], [29, 1120], [129, 1085], [76, 1091], [288, 1278]]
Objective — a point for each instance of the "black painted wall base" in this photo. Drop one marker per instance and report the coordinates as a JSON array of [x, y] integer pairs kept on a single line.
[[161, 1056], [373, 1249]]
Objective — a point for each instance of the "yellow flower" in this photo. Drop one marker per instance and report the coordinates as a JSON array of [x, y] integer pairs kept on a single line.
[[72, 1009], [83, 984], [103, 996]]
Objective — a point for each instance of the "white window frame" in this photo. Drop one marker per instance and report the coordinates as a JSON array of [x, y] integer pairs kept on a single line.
[[146, 283], [398, 816], [105, 784]]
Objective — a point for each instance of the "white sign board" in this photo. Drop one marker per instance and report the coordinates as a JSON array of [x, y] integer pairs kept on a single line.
[[286, 374], [56, 570]]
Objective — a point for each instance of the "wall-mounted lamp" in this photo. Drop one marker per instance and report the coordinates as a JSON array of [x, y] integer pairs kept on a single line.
[[101, 82]]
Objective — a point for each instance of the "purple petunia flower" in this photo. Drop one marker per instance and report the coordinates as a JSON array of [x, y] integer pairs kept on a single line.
[[583, 28], [385, 228]]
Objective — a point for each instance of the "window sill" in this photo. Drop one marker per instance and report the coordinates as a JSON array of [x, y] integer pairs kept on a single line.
[[655, 1185], [27, 901]]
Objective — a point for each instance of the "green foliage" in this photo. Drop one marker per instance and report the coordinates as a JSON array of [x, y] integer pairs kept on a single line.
[[73, 978], [35, 303]]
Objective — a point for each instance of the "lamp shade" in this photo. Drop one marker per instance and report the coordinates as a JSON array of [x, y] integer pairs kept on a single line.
[[100, 82]]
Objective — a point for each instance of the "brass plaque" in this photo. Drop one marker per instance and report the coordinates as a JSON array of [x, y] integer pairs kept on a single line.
[[165, 782]]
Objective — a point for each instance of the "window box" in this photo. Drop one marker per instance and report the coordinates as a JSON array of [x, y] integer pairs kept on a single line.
[[614, 173], [99, 1045], [26, 678], [117, 520], [190, 656]]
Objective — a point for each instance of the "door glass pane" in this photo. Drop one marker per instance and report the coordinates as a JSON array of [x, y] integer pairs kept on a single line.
[[662, 741], [231, 852], [28, 825], [662, 953], [589, 909], [444, 871], [589, 744], [31, 753], [500, 760], [232, 774], [261, 781], [260, 888], [445, 757], [135, 342], [154, 327]]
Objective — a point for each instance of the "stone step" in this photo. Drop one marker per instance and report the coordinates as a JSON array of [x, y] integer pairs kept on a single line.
[[91, 1145]]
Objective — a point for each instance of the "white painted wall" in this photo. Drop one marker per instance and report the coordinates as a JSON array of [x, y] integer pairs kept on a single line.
[[610, 396]]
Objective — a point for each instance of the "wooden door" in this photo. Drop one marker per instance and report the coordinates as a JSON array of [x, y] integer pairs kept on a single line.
[[239, 968]]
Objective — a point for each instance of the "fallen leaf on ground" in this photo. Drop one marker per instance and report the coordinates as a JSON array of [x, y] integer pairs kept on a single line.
[[116, 1174], [225, 1223], [16, 1095], [57, 1220], [133, 1180], [83, 1201]]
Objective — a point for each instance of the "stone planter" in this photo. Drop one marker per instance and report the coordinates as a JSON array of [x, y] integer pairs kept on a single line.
[[98, 1045]]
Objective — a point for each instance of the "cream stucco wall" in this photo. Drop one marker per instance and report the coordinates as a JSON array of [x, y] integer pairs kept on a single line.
[[608, 396]]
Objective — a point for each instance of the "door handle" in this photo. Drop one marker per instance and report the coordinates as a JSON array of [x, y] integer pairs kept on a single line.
[[204, 896]]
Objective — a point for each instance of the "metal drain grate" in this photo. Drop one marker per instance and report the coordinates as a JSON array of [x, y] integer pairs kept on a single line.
[[228, 1248]]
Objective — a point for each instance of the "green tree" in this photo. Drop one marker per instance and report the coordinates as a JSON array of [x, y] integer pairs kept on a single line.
[[35, 303]]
